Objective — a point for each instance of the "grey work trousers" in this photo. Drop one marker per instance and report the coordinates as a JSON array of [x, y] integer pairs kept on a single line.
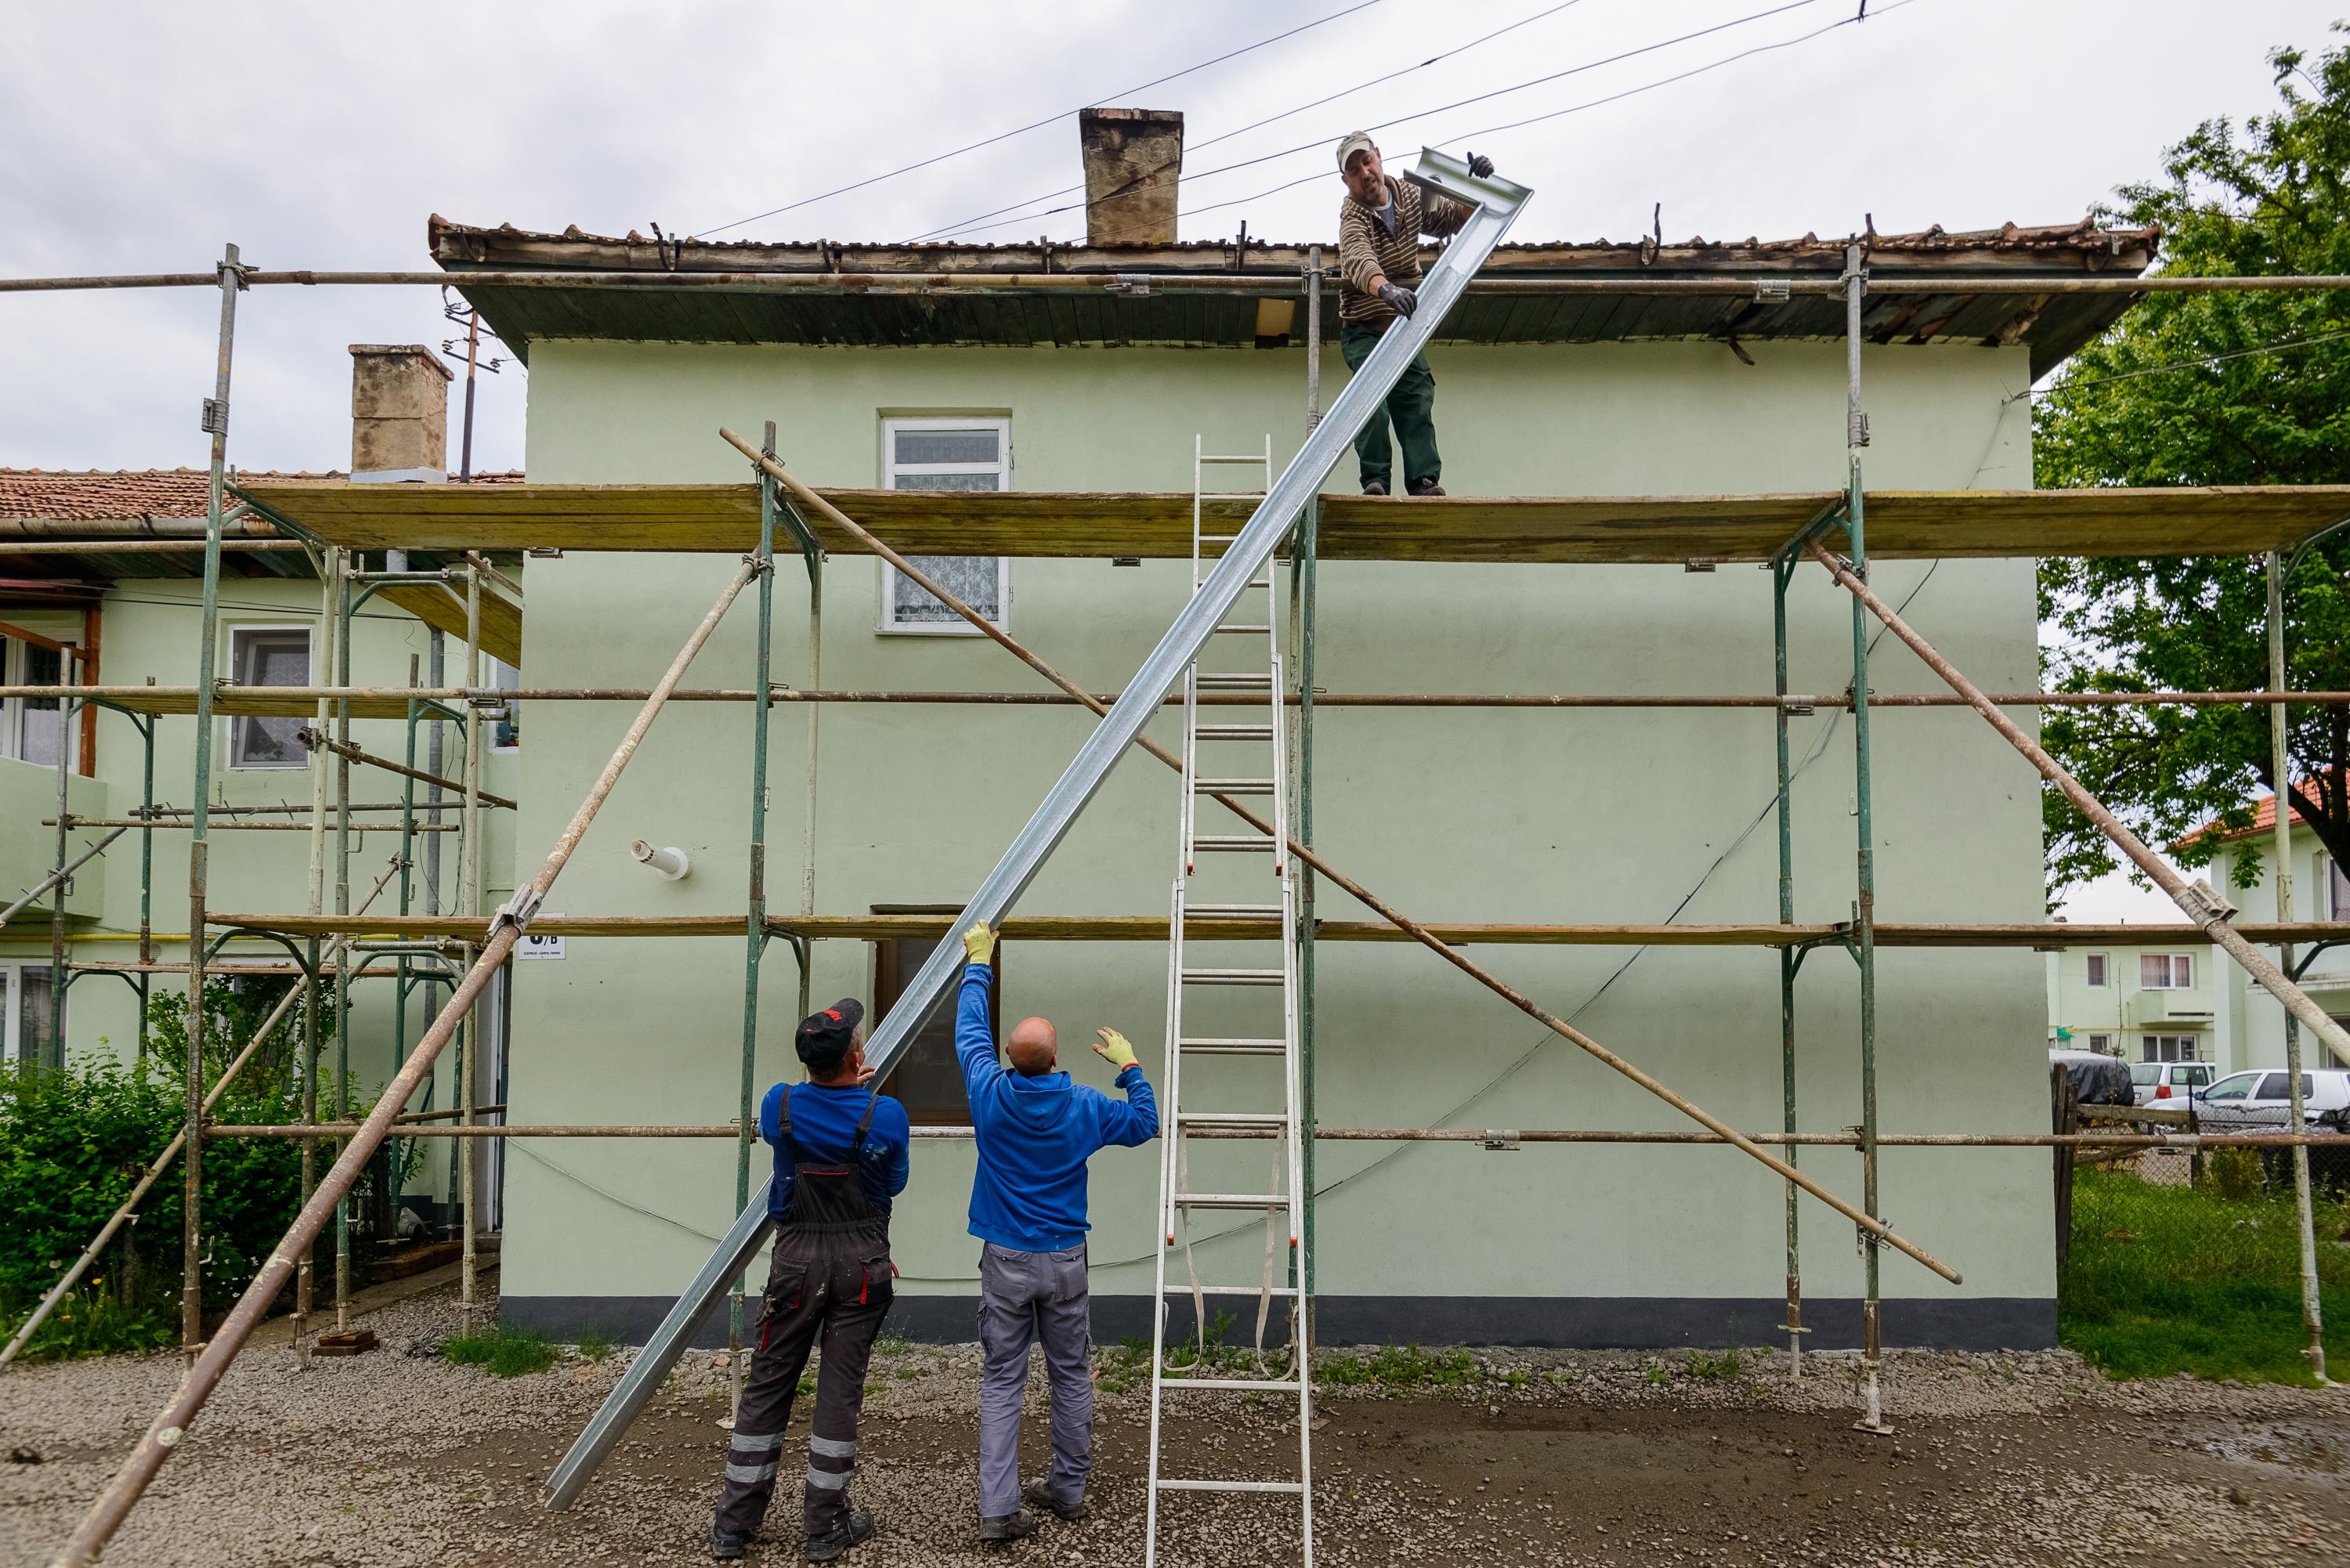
[[1028, 1298]]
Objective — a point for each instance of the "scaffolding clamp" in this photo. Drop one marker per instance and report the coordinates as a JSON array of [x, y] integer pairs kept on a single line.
[[517, 911], [1797, 707], [2207, 906], [215, 417], [1134, 283], [1502, 1140], [1770, 291], [1863, 1237]]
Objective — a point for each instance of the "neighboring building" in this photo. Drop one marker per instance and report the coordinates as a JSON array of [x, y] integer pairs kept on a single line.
[[2147, 1003], [2251, 1025]]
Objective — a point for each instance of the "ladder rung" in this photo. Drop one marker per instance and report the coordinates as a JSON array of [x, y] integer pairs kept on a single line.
[[1236, 678], [1233, 731], [1261, 582], [1216, 538], [1234, 976], [1232, 1200], [1264, 630], [1233, 1118], [1257, 457], [1264, 1384], [1231, 910], [1233, 786], [1232, 1290], [1231, 842], [1211, 1047]]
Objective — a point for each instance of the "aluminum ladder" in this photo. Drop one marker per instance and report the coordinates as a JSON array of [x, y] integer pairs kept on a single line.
[[1277, 1038], [1495, 203]]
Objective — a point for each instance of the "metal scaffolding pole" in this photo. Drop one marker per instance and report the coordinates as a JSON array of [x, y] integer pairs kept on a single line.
[[1789, 963], [339, 634], [469, 878], [230, 278], [2313, 1315]]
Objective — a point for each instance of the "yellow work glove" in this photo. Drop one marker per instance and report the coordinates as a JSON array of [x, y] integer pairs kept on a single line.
[[1114, 1049], [979, 943]]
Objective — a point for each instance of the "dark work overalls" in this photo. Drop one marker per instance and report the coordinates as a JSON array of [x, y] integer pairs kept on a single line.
[[830, 1277]]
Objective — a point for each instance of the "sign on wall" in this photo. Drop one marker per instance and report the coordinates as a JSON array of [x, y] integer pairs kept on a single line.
[[534, 946]]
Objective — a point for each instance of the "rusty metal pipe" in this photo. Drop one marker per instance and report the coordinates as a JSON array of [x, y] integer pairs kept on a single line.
[[171, 1424], [320, 741]]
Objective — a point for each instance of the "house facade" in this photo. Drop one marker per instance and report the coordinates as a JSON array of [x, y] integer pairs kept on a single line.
[[2249, 1026], [2151, 1003]]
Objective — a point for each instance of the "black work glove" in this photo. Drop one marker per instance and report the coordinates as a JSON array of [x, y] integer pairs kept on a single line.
[[1402, 301], [1480, 166]]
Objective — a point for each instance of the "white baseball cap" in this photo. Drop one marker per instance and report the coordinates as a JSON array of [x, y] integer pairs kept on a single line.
[[1353, 141]]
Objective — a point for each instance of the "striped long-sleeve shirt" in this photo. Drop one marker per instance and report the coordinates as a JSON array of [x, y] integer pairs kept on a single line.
[[1370, 248]]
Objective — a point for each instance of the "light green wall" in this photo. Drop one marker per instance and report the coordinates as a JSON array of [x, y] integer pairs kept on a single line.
[[2251, 1023], [2122, 1010], [1456, 815]]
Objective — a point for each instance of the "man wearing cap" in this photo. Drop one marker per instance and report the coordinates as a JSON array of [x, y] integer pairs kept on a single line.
[[1380, 225], [1036, 1130], [840, 1157]]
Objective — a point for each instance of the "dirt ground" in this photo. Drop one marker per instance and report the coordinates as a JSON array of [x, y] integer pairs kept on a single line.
[[1538, 1458]]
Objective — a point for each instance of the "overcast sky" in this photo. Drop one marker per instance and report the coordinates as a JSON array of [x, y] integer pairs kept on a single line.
[[139, 137]]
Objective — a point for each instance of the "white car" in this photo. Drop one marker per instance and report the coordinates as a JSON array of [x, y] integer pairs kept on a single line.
[[2164, 1083], [2261, 1100]]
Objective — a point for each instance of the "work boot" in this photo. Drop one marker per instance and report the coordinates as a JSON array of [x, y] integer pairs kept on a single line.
[[1375, 488], [1426, 487], [1008, 1526], [856, 1532], [726, 1545], [1039, 1494]]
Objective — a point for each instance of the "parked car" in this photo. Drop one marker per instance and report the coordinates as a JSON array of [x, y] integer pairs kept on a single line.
[[2261, 1100], [2098, 1079], [2160, 1081]]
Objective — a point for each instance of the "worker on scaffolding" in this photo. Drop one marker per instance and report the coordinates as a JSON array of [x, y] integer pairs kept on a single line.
[[1036, 1129], [1380, 225], [840, 1159]]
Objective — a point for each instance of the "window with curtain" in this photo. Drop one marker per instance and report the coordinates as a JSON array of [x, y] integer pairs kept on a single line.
[[2165, 971], [946, 454], [268, 656]]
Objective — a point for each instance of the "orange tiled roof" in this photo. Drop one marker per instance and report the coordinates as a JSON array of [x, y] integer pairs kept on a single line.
[[176, 492]]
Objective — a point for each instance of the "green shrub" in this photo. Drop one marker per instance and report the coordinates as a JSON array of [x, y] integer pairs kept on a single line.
[[594, 1347], [2233, 1173], [506, 1352], [1394, 1368]]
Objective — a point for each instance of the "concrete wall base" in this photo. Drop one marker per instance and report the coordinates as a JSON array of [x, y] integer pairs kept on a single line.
[[1571, 1322]]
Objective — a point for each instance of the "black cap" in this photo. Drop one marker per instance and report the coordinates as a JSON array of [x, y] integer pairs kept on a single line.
[[825, 1037]]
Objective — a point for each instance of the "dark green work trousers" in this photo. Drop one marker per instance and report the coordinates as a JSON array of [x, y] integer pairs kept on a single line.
[[1411, 405]]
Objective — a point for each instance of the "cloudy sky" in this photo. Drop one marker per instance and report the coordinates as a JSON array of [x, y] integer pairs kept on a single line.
[[139, 136]]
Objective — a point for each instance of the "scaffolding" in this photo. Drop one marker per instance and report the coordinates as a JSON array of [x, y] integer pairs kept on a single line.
[[456, 950]]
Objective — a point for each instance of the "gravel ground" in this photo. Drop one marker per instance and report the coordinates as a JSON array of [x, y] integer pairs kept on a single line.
[[1536, 1457]]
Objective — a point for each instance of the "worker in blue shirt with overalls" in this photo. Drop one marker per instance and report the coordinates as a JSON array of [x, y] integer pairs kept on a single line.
[[1036, 1130], [840, 1157]]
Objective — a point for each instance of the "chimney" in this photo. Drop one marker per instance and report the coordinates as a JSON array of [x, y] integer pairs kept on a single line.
[[1134, 158], [399, 414]]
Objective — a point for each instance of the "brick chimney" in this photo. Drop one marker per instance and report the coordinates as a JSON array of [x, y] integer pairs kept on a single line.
[[399, 414], [1134, 160]]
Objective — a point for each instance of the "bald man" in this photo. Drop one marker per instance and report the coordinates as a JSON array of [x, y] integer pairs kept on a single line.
[[1036, 1130]]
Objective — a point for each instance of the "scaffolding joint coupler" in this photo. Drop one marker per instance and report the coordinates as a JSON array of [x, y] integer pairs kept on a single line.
[[517, 911], [758, 564], [1134, 283], [1501, 1139]]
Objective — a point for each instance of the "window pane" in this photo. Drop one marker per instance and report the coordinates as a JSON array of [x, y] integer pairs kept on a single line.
[[270, 659], [928, 1079], [947, 446], [948, 482], [2154, 972], [2272, 1088], [2233, 1088], [973, 579], [36, 736], [33, 996], [2337, 892], [2182, 971], [2146, 1073], [2096, 969]]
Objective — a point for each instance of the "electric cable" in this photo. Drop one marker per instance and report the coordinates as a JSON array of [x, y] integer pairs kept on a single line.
[[1055, 119], [1284, 114], [1422, 114], [2202, 362]]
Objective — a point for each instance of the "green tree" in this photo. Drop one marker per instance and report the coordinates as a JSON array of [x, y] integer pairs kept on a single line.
[[2211, 388], [234, 1009]]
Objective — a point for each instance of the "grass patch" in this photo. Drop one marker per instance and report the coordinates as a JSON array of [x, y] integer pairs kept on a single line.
[[1409, 1367], [2164, 1279], [92, 1321], [507, 1352], [1723, 1367], [594, 1347]]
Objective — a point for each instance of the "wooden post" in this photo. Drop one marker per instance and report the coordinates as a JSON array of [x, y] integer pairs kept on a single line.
[[2064, 1117]]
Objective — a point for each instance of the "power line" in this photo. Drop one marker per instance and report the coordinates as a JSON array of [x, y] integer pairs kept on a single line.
[[2202, 362], [1417, 114], [1055, 119], [1284, 114]]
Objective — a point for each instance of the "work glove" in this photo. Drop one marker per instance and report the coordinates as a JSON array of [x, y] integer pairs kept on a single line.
[[1402, 301], [979, 943], [1480, 166], [1114, 1049]]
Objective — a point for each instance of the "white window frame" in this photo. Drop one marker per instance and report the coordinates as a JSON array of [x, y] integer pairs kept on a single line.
[[2337, 889], [13, 652], [235, 634], [2173, 963], [884, 623], [2101, 1043], [12, 1000], [2099, 968], [2183, 1048]]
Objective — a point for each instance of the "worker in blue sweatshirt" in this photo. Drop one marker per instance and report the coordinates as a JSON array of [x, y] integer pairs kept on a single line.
[[840, 1159], [1036, 1130]]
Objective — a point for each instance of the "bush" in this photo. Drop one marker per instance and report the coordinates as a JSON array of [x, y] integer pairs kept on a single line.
[[507, 1352], [2233, 1173]]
